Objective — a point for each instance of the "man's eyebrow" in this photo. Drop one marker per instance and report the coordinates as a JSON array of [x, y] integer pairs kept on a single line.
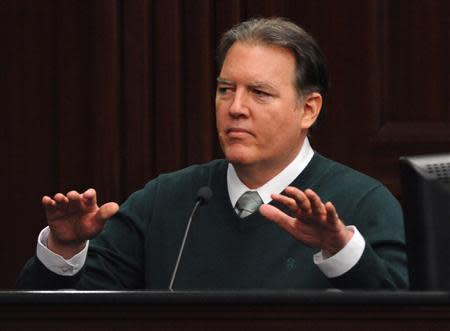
[[256, 84], [224, 81], [264, 85]]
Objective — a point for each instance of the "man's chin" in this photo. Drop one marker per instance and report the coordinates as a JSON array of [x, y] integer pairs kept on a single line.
[[239, 160], [239, 155]]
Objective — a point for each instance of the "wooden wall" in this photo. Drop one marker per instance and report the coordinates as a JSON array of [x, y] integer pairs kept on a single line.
[[109, 93]]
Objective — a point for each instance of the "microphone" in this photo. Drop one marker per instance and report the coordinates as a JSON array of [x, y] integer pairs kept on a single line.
[[204, 194]]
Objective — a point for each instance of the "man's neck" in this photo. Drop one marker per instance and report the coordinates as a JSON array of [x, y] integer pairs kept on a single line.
[[256, 175], [274, 185]]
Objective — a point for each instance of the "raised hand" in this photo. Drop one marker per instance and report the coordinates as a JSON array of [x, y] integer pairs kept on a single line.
[[310, 221], [73, 219]]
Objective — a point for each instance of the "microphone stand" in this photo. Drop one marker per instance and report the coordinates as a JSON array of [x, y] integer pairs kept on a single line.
[[203, 196]]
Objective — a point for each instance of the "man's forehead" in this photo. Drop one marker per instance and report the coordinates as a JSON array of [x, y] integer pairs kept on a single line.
[[258, 64]]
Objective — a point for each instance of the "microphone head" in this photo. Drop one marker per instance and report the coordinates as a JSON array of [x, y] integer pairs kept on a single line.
[[204, 194]]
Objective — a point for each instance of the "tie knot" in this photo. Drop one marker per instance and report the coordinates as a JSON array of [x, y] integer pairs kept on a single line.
[[248, 203]]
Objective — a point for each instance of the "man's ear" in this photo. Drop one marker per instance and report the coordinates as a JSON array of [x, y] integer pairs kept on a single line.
[[312, 104]]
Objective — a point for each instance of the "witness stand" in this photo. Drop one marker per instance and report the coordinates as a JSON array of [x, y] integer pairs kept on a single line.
[[213, 310]]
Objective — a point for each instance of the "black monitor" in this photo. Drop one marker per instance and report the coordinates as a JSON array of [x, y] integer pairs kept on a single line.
[[426, 201]]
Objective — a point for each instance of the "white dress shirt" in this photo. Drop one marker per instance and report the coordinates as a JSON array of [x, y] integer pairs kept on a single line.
[[331, 266]]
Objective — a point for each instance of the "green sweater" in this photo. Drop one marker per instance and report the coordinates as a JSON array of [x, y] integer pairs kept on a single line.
[[139, 245]]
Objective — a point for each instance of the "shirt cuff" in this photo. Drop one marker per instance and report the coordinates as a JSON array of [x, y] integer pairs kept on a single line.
[[56, 263], [345, 259]]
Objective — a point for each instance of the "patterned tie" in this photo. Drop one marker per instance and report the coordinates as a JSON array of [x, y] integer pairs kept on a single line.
[[248, 203]]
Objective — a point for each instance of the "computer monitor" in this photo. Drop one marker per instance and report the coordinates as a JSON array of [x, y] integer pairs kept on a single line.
[[426, 201]]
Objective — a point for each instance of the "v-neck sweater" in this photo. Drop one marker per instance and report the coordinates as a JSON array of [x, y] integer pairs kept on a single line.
[[138, 247]]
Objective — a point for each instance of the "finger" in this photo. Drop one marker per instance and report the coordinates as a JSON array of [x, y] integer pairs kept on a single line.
[[48, 202], [90, 197], [60, 198], [74, 200], [107, 211], [300, 198], [49, 205], [290, 224], [318, 208], [332, 215], [61, 201], [287, 201], [73, 195], [54, 207]]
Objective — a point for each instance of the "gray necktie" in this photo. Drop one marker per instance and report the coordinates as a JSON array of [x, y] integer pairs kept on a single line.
[[248, 203]]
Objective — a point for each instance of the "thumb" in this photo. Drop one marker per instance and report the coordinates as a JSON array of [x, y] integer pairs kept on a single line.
[[106, 211]]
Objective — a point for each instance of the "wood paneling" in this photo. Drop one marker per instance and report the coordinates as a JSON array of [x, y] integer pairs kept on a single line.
[[136, 132], [109, 93], [413, 114]]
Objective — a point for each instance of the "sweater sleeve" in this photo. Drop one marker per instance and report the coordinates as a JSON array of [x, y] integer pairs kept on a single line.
[[35, 276], [383, 264], [115, 257]]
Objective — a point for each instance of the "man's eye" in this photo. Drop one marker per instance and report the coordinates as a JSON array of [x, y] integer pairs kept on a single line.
[[260, 93], [223, 90]]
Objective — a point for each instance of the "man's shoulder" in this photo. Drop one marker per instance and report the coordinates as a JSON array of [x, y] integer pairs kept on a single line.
[[339, 180], [198, 171], [352, 190], [178, 184], [191, 177], [336, 172]]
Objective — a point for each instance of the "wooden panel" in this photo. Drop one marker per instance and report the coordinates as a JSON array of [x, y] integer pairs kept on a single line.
[[225, 15], [136, 148], [168, 118], [418, 61], [75, 127], [413, 116], [28, 124], [105, 97], [198, 83]]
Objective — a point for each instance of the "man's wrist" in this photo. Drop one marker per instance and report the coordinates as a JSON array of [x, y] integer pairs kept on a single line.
[[66, 250], [341, 262], [338, 242], [55, 262]]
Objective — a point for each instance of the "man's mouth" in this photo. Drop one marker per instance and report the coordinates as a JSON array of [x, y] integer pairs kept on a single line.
[[237, 132]]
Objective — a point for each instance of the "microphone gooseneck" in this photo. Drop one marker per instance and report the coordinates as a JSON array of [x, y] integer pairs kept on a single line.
[[204, 194]]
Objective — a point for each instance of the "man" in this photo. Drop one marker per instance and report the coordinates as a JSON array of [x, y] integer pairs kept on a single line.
[[269, 94]]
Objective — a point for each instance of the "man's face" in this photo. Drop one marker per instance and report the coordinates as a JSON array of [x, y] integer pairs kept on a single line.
[[258, 111]]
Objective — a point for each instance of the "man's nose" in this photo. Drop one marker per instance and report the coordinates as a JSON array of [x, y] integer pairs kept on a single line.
[[239, 105]]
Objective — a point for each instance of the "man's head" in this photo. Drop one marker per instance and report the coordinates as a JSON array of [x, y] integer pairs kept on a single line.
[[311, 74], [268, 95]]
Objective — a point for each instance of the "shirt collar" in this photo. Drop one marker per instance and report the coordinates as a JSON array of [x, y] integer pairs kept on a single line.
[[277, 184]]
